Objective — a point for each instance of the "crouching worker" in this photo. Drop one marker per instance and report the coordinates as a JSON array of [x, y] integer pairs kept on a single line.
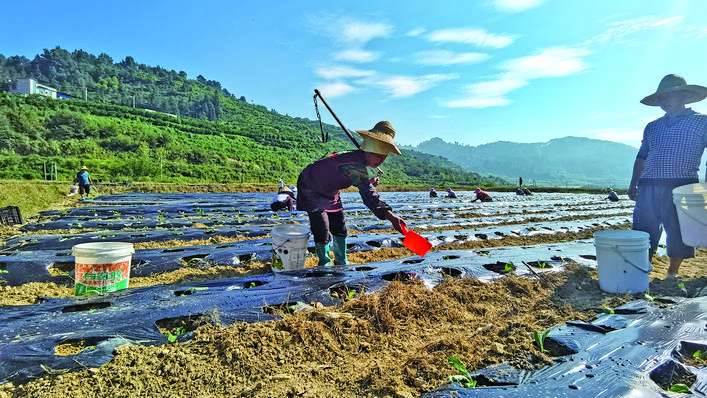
[[284, 199], [319, 184], [482, 196]]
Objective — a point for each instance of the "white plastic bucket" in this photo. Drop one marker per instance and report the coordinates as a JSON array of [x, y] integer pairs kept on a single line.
[[691, 204], [102, 267], [289, 247], [622, 260]]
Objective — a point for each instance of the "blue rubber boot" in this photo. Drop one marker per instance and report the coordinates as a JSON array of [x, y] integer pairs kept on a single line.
[[340, 250], [323, 254]]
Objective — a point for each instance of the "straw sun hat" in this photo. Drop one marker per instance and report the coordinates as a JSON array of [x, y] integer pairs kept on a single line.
[[84, 168], [384, 132], [674, 83]]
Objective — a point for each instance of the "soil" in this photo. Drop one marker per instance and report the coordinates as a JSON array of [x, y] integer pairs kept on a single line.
[[388, 343]]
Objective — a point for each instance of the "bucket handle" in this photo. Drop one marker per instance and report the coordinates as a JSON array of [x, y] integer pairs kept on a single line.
[[650, 266]]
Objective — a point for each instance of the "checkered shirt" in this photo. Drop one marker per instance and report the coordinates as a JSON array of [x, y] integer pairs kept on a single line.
[[672, 147]]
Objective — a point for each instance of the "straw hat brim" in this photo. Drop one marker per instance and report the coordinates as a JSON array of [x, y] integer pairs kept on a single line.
[[694, 93], [284, 190], [380, 137]]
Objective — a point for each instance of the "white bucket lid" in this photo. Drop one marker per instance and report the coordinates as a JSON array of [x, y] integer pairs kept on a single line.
[[621, 236], [691, 189], [94, 249], [290, 231]]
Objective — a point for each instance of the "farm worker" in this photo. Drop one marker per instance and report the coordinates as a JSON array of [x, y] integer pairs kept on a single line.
[[482, 196], [669, 157], [451, 193], [526, 191], [319, 184], [84, 180], [613, 196], [433, 193], [284, 199]]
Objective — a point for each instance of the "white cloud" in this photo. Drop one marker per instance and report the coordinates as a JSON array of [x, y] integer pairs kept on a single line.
[[474, 36], [334, 90], [406, 86], [487, 94], [359, 33], [551, 62], [341, 72], [356, 55], [415, 32], [620, 30], [516, 5], [443, 57]]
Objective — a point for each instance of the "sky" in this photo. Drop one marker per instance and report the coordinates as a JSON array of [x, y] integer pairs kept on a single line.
[[472, 72]]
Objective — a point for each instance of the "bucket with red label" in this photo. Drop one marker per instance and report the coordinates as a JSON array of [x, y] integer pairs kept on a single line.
[[102, 267]]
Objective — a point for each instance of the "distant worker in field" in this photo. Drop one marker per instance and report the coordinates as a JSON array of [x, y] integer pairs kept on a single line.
[[526, 191], [433, 193], [669, 157], [84, 181], [482, 196], [319, 184], [451, 193], [613, 196], [284, 199], [519, 191]]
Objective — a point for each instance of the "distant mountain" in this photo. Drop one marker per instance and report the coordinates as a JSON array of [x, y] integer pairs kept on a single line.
[[569, 161]]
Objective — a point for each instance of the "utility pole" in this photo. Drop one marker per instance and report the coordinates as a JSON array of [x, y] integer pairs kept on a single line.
[[85, 94]]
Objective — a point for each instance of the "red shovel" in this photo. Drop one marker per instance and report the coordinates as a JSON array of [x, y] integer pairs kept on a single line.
[[415, 242]]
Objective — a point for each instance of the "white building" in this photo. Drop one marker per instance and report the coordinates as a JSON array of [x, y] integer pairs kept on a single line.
[[31, 86]]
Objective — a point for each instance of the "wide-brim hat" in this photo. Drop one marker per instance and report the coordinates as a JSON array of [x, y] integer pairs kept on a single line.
[[674, 83], [284, 190], [84, 168], [384, 132]]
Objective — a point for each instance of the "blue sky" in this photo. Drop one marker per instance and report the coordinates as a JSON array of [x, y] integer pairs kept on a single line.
[[471, 72]]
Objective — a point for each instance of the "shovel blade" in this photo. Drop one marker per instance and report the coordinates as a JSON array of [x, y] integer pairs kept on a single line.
[[416, 243]]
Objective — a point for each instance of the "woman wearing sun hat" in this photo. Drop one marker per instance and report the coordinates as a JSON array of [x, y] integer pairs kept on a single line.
[[319, 184], [284, 199], [83, 179], [669, 157]]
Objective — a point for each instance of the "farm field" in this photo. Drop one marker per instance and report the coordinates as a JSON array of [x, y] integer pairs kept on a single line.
[[205, 316]]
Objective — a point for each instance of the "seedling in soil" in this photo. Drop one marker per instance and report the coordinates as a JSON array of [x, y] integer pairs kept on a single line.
[[608, 310], [697, 354], [464, 379], [508, 267], [542, 264], [682, 287], [3, 271], [172, 337], [680, 388], [540, 339], [351, 294], [647, 296]]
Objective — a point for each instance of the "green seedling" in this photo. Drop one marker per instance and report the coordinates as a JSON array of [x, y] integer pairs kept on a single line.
[[464, 379], [116, 213], [540, 339], [608, 310], [697, 354], [197, 288], [647, 296], [680, 388], [508, 267], [351, 294], [3, 271], [682, 287], [542, 264], [172, 337], [252, 284]]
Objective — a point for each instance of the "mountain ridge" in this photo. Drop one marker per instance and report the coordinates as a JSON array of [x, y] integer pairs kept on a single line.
[[566, 161]]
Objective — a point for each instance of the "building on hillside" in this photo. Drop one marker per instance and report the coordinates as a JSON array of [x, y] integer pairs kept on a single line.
[[31, 86]]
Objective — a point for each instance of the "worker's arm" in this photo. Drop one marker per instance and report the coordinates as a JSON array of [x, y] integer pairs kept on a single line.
[[638, 167]]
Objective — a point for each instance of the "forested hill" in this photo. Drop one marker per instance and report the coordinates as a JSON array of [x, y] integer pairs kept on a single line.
[[132, 121], [569, 161]]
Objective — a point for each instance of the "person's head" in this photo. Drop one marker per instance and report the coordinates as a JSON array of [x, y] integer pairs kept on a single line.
[[477, 190], [378, 143], [84, 168], [673, 93]]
